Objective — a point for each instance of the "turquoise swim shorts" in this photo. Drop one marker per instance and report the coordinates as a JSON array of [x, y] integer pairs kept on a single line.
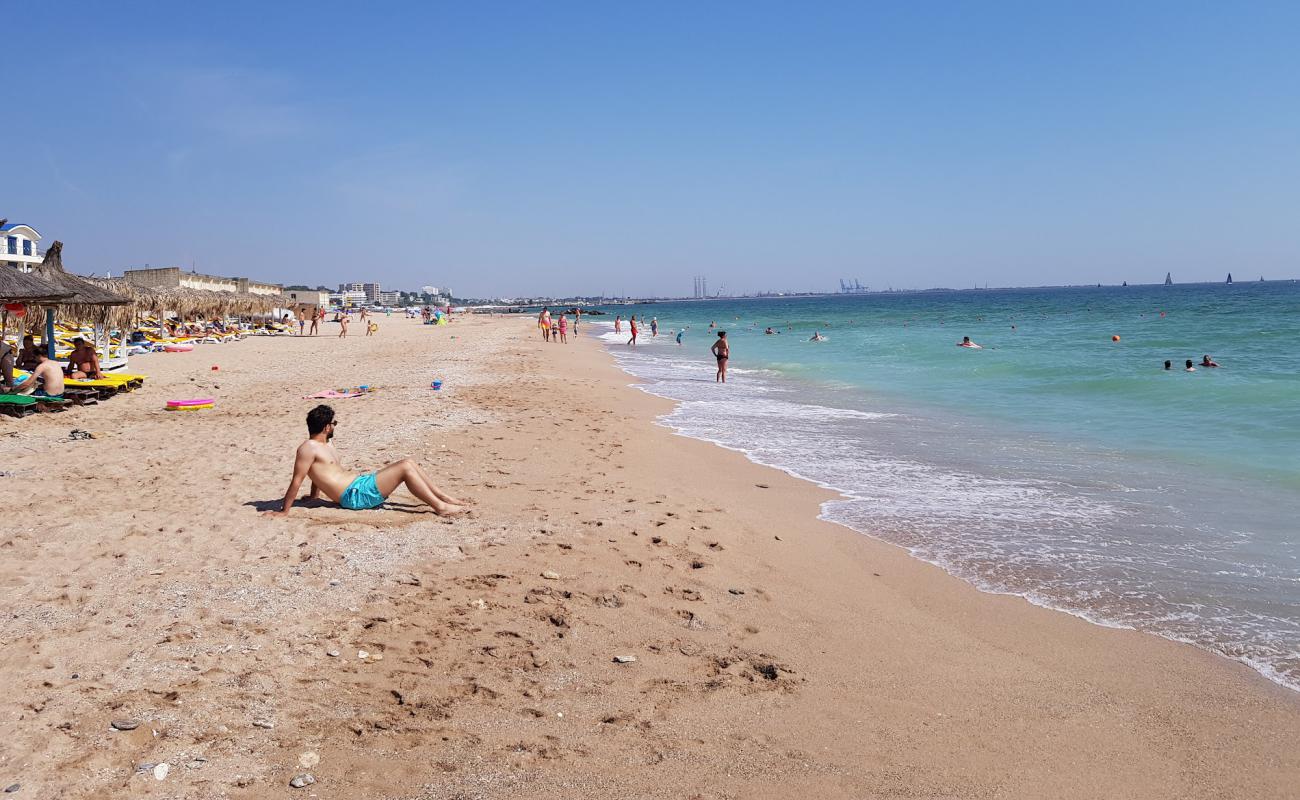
[[362, 493]]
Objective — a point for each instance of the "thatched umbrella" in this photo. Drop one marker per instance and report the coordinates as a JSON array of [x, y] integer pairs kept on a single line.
[[86, 300], [19, 287], [185, 303]]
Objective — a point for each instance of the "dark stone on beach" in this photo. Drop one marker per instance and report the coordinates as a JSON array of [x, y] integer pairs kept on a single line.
[[305, 779], [768, 671], [13, 787], [125, 724], [736, 591], [145, 767], [762, 486]]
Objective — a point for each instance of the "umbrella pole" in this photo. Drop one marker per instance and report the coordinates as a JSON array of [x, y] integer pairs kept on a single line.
[[49, 332]]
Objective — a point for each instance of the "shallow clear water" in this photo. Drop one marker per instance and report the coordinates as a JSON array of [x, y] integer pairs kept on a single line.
[[1054, 463]]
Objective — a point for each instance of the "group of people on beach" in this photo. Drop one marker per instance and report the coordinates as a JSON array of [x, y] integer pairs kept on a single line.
[[45, 375], [635, 327], [312, 316], [721, 348], [556, 329]]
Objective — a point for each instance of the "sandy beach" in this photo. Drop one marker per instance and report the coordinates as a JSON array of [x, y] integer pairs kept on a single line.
[[765, 653]]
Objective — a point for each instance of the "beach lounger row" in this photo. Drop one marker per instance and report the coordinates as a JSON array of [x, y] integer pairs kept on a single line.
[[16, 405]]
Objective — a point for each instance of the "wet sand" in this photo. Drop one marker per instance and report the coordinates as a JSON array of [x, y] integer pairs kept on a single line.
[[776, 655]]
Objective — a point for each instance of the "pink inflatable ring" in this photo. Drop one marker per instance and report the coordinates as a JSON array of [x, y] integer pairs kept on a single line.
[[190, 405]]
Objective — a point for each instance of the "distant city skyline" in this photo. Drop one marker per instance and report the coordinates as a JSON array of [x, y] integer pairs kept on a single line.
[[628, 149]]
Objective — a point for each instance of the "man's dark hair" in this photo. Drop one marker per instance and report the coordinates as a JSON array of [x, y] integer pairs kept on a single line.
[[318, 418]]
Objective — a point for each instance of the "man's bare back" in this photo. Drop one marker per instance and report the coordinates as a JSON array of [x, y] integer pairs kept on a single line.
[[326, 473]]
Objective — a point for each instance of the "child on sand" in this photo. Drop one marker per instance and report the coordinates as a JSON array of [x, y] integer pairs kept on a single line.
[[564, 329]]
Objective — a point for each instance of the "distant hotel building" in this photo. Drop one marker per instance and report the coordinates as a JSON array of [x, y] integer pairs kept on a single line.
[[174, 278], [348, 298], [370, 290], [18, 246]]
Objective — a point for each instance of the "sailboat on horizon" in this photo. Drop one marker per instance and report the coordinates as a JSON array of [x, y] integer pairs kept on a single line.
[[1169, 279], [1229, 279]]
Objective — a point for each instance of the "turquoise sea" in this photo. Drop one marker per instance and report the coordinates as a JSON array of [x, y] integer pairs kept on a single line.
[[1054, 463]]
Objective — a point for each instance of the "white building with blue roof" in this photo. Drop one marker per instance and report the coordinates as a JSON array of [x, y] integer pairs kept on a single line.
[[18, 246]]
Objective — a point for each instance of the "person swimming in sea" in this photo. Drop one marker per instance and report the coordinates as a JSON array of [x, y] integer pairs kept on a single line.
[[1168, 365], [817, 337], [966, 342], [1189, 367], [1206, 361]]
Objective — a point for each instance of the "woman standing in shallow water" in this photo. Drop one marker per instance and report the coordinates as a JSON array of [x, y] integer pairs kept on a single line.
[[723, 352]]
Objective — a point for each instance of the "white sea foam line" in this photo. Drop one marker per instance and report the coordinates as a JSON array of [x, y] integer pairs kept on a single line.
[[673, 421]]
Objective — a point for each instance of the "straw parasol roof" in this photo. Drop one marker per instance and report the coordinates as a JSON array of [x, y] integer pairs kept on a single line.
[[187, 303], [19, 287], [84, 294]]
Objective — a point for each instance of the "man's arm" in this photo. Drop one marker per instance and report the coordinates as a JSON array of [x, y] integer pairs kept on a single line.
[[301, 466], [22, 387]]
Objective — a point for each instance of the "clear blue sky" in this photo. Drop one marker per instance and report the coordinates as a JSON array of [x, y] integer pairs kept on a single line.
[[557, 148]]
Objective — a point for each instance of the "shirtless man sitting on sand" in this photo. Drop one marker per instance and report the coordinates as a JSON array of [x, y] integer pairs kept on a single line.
[[317, 459]]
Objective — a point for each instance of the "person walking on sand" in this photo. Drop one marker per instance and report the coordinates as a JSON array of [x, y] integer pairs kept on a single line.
[[343, 325], [722, 351], [631, 324], [618, 323], [544, 322], [564, 329], [577, 317], [316, 315], [317, 459]]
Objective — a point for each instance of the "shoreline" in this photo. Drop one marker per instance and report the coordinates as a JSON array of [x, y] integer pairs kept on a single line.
[[648, 384], [777, 654]]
